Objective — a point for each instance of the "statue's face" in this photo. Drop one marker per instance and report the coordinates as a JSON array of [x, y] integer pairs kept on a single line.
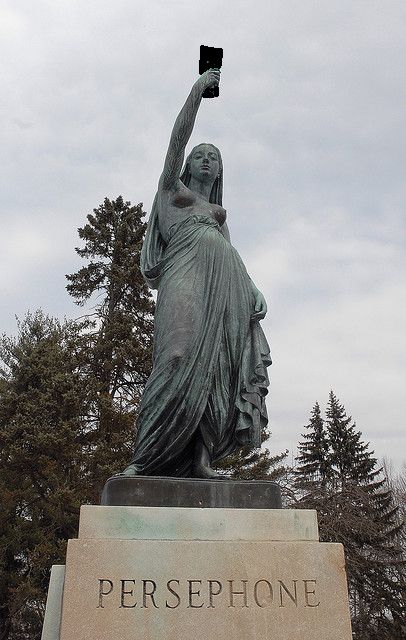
[[204, 163]]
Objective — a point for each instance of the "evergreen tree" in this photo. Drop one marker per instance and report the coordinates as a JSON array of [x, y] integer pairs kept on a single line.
[[42, 465], [350, 460], [254, 464], [123, 309], [117, 342], [313, 458], [68, 398], [356, 508]]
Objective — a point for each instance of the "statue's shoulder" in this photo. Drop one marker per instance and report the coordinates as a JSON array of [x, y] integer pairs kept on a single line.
[[175, 196]]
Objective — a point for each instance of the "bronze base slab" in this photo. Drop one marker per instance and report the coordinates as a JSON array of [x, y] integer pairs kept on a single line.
[[157, 491]]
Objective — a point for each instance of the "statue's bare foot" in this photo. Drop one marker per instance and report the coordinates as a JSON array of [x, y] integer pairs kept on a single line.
[[201, 466]]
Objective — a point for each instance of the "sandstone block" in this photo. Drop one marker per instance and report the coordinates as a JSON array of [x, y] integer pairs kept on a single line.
[[178, 523], [52, 619], [180, 590]]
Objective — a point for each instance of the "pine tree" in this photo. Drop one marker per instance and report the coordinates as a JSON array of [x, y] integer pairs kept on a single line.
[[123, 309], [313, 463], [117, 342], [350, 460], [42, 463], [68, 398], [254, 464], [356, 508]]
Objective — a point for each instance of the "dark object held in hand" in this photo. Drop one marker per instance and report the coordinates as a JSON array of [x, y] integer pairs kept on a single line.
[[210, 58]]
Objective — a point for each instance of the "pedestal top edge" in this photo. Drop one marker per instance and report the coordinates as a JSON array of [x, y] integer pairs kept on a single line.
[[190, 510], [173, 479]]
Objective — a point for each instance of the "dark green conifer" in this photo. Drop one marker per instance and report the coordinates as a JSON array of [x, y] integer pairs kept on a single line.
[[350, 460], [312, 460], [121, 322], [355, 507], [68, 398], [255, 464], [116, 349], [43, 402]]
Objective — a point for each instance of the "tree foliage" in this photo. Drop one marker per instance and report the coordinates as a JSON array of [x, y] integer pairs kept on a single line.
[[120, 327], [116, 354], [313, 458], [337, 475], [255, 464], [43, 468], [68, 399]]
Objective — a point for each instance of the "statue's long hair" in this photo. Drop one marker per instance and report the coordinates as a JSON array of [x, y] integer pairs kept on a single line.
[[153, 246], [216, 194]]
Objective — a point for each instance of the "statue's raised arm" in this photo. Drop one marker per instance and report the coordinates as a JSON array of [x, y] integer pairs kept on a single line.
[[183, 128]]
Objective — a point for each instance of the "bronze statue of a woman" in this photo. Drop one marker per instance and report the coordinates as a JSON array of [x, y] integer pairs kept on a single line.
[[206, 394]]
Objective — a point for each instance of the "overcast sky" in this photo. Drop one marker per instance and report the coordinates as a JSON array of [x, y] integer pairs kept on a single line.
[[311, 122]]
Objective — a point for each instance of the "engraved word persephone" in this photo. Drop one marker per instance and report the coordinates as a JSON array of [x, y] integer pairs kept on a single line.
[[129, 593]]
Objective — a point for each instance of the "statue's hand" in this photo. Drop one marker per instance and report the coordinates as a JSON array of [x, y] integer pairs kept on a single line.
[[260, 307], [208, 79]]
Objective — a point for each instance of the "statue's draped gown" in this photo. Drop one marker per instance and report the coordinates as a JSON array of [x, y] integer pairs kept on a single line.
[[209, 366]]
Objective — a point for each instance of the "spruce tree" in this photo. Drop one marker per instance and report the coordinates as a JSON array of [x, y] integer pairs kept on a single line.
[[350, 460], [366, 523], [117, 342], [313, 463], [122, 312], [356, 508], [254, 464]]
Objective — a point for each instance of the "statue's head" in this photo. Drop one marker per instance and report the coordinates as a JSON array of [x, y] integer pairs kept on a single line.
[[204, 163]]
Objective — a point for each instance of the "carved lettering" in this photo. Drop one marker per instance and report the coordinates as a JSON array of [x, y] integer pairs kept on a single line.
[[192, 593], [149, 594], [103, 593], [283, 588], [267, 599], [238, 593], [308, 593], [174, 593], [212, 593], [209, 593], [124, 593]]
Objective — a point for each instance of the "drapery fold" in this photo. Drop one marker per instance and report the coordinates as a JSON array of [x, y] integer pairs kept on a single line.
[[210, 358]]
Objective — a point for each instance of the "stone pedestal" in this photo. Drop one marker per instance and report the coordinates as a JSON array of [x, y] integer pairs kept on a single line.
[[53, 612], [173, 573]]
